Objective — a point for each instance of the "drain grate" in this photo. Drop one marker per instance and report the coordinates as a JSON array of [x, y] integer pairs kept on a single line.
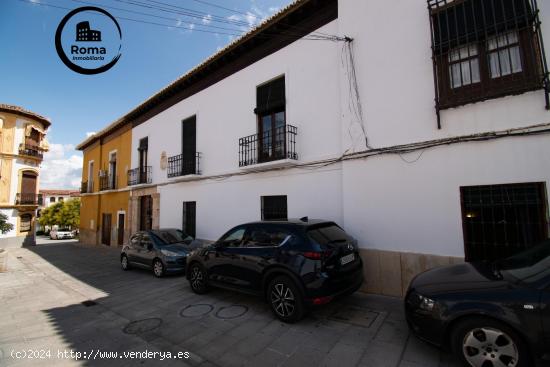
[[142, 326], [89, 303], [354, 316]]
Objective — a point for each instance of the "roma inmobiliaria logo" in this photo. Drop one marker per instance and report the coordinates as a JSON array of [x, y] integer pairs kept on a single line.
[[88, 40]]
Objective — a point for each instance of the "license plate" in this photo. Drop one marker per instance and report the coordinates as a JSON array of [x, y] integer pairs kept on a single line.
[[347, 259]]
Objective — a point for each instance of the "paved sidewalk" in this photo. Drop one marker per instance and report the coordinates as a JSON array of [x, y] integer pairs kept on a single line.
[[41, 299]]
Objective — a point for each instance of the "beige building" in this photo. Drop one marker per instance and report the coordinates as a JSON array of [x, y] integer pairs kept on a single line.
[[22, 147]]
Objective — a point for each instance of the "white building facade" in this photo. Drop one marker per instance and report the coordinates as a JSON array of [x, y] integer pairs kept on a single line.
[[427, 144], [22, 146]]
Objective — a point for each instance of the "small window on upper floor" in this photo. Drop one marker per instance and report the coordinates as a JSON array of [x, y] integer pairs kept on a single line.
[[52, 199], [485, 49]]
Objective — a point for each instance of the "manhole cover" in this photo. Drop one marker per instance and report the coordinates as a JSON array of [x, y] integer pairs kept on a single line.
[[354, 316], [231, 312], [142, 326], [197, 310]]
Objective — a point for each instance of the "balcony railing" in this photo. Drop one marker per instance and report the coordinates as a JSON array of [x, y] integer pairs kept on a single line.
[[180, 165], [140, 175], [31, 151], [271, 145], [87, 187], [108, 182], [28, 199]]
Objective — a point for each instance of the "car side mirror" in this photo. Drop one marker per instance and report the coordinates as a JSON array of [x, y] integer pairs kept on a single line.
[[219, 245]]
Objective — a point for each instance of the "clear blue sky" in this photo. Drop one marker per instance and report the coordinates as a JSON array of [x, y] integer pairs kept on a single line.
[[33, 76]]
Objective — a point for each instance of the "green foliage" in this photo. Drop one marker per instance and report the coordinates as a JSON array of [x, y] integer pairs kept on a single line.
[[5, 227], [65, 214]]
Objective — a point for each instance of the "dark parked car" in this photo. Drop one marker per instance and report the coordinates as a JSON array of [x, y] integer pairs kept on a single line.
[[163, 250], [490, 314], [293, 264]]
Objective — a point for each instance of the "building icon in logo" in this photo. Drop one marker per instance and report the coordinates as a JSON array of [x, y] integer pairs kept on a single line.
[[84, 33]]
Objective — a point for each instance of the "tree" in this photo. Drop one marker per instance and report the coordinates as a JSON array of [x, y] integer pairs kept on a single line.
[[5, 226], [65, 214]]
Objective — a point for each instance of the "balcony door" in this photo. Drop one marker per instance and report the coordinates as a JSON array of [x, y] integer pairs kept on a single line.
[[271, 136], [143, 152], [188, 145], [28, 188]]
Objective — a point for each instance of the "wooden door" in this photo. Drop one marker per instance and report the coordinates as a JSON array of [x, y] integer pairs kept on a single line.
[[106, 229], [121, 229]]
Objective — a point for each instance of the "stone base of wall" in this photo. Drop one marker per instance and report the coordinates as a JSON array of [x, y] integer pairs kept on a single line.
[[17, 241], [389, 273], [88, 236]]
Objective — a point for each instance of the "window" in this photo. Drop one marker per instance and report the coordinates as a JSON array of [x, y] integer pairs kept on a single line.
[[274, 207], [112, 171], [60, 199], [134, 240], [25, 223], [502, 220], [464, 66], [52, 199], [146, 241], [504, 55], [189, 218], [485, 49], [260, 236], [234, 237]]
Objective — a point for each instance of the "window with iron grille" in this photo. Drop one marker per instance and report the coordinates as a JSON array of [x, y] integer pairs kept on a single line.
[[274, 207], [485, 49], [25, 223], [502, 220]]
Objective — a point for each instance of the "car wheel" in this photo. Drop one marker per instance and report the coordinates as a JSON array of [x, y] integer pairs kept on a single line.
[[484, 342], [198, 279], [124, 262], [286, 300], [158, 268]]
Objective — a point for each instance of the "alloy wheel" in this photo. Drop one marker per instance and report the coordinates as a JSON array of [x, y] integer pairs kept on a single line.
[[158, 269], [489, 347], [197, 278], [124, 262], [282, 300]]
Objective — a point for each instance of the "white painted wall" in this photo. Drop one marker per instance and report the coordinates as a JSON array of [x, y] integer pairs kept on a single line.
[[383, 201]]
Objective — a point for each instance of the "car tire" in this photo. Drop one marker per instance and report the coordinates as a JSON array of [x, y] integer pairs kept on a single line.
[[286, 300], [476, 340], [124, 263], [198, 278], [158, 268]]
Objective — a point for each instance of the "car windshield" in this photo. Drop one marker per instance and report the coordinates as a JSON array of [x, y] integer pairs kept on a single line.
[[528, 266], [327, 233], [171, 236]]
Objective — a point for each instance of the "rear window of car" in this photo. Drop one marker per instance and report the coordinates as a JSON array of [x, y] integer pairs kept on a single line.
[[327, 233]]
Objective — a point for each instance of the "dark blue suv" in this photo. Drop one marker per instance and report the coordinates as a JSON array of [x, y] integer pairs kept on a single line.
[[292, 264]]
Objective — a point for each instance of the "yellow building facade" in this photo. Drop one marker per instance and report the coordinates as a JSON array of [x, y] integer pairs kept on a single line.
[[104, 192], [22, 147]]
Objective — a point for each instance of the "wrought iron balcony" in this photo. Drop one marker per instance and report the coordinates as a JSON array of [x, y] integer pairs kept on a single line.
[[28, 199], [271, 145], [180, 165], [87, 187], [108, 182], [30, 150], [140, 175]]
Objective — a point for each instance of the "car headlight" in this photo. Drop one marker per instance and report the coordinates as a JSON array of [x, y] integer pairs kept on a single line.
[[425, 303], [170, 253]]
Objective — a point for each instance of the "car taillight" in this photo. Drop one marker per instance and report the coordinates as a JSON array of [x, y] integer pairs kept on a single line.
[[317, 255]]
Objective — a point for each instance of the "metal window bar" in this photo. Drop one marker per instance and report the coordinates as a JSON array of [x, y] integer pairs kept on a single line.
[[459, 23], [502, 220], [28, 199], [108, 182], [180, 165], [271, 145], [140, 175], [274, 207]]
